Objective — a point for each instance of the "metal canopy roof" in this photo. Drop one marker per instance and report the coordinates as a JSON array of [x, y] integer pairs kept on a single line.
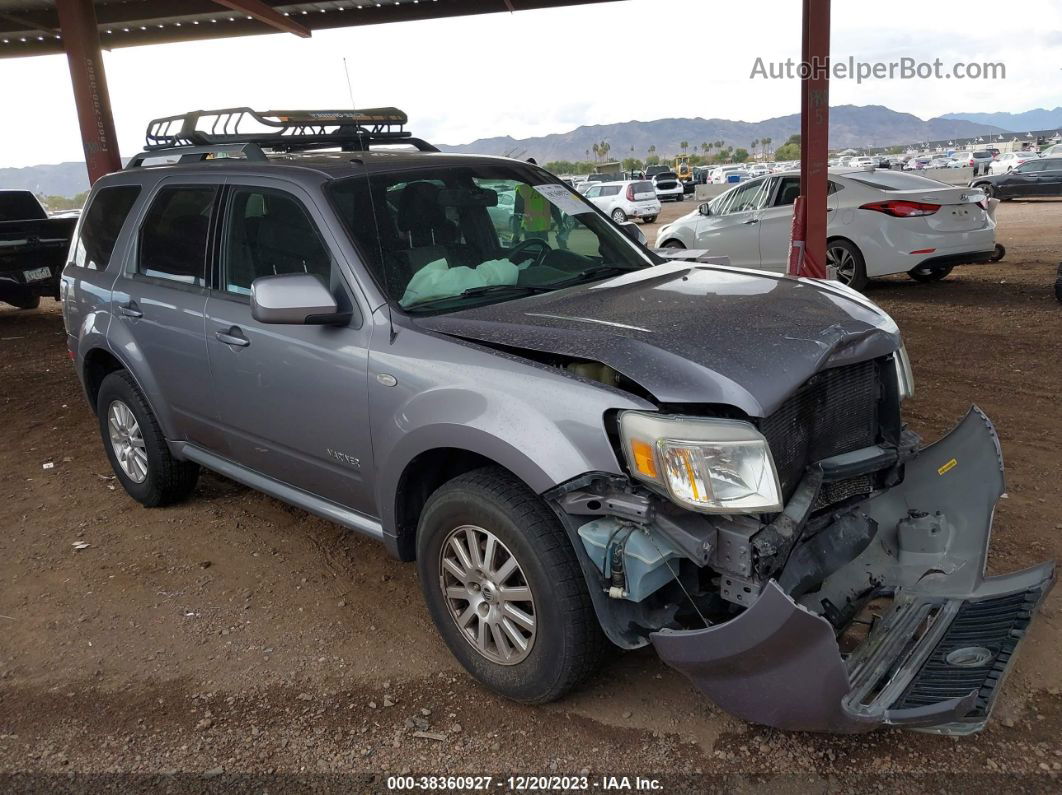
[[31, 27]]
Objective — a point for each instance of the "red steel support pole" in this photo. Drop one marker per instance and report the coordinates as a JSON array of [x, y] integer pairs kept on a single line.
[[81, 38], [808, 252]]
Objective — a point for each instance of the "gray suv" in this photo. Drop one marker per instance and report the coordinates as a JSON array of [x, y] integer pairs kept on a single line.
[[582, 445]]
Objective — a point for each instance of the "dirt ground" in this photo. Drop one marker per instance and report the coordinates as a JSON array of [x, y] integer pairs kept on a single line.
[[234, 634]]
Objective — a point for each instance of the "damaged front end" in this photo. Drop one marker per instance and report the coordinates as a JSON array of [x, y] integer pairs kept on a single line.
[[845, 611]]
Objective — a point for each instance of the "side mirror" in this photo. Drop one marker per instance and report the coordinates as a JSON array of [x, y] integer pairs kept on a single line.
[[705, 209], [632, 231], [298, 299]]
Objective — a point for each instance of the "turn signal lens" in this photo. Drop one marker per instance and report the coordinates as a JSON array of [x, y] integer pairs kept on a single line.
[[643, 458]]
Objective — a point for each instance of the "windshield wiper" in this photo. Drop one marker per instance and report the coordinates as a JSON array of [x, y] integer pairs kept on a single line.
[[590, 273], [486, 289]]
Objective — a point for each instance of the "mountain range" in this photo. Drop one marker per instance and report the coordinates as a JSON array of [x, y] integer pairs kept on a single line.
[[1037, 119], [850, 126]]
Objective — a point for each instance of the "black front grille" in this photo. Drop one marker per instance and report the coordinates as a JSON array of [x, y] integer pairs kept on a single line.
[[992, 626], [834, 412]]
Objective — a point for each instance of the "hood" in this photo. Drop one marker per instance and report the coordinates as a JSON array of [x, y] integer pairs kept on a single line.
[[692, 333]]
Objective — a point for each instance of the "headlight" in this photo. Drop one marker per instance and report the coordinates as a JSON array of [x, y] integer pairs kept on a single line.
[[904, 374], [708, 465]]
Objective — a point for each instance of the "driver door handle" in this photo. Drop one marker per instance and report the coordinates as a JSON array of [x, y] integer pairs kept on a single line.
[[130, 309], [233, 337], [751, 221]]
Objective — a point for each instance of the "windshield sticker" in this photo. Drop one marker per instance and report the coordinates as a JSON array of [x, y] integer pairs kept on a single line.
[[563, 199]]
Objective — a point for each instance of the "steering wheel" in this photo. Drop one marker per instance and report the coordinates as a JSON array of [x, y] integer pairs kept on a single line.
[[530, 243]]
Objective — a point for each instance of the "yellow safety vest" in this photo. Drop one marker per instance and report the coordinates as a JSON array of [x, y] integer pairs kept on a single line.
[[538, 216]]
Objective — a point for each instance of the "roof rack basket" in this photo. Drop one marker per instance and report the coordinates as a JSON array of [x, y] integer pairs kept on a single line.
[[283, 130]]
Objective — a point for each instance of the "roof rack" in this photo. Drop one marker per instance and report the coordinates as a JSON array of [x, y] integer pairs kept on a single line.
[[281, 130]]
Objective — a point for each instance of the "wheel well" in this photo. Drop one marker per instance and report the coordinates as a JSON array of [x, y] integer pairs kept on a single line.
[[98, 365], [420, 479]]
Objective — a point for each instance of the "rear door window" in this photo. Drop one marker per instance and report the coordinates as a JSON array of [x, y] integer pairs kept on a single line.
[[102, 224], [174, 235]]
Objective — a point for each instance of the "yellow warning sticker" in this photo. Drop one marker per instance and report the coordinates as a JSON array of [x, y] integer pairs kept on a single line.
[[948, 467]]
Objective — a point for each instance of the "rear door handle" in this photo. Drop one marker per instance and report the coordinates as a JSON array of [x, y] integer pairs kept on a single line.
[[752, 221], [130, 309], [233, 337]]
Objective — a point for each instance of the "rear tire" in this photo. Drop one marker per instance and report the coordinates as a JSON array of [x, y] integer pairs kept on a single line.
[[152, 476], [848, 259], [650, 220], [465, 583], [929, 274], [674, 244], [619, 216], [999, 254], [988, 188], [30, 302]]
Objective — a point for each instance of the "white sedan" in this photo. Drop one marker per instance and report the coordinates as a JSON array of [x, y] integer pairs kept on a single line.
[[1008, 161], [879, 222]]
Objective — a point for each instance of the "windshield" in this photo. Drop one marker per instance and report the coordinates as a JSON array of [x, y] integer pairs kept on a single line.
[[443, 239]]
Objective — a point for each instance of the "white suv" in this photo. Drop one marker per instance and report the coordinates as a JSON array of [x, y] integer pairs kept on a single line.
[[625, 200]]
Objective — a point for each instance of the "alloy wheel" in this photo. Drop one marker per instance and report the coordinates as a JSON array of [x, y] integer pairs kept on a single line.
[[842, 260], [127, 441], [487, 595]]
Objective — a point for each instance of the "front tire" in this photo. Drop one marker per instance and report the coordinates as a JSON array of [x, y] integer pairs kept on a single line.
[[136, 447], [848, 260], [505, 589], [619, 216], [649, 220], [988, 188], [677, 244]]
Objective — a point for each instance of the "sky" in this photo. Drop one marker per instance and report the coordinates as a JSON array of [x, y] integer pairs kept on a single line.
[[538, 72]]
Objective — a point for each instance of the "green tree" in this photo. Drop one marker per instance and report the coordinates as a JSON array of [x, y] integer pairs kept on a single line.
[[787, 151], [740, 155]]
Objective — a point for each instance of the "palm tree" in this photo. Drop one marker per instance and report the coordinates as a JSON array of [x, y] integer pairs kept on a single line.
[[597, 151], [684, 146], [753, 146], [605, 148], [766, 146], [706, 148]]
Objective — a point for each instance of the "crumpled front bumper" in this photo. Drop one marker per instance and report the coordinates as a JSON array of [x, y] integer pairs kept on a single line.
[[935, 661]]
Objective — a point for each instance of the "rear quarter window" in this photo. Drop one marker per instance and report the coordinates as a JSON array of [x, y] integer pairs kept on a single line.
[[103, 222]]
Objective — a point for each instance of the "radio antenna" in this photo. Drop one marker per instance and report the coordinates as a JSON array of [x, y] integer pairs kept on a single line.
[[350, 87]]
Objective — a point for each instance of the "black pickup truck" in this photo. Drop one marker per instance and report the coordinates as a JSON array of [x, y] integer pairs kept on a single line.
[[32, 249]]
